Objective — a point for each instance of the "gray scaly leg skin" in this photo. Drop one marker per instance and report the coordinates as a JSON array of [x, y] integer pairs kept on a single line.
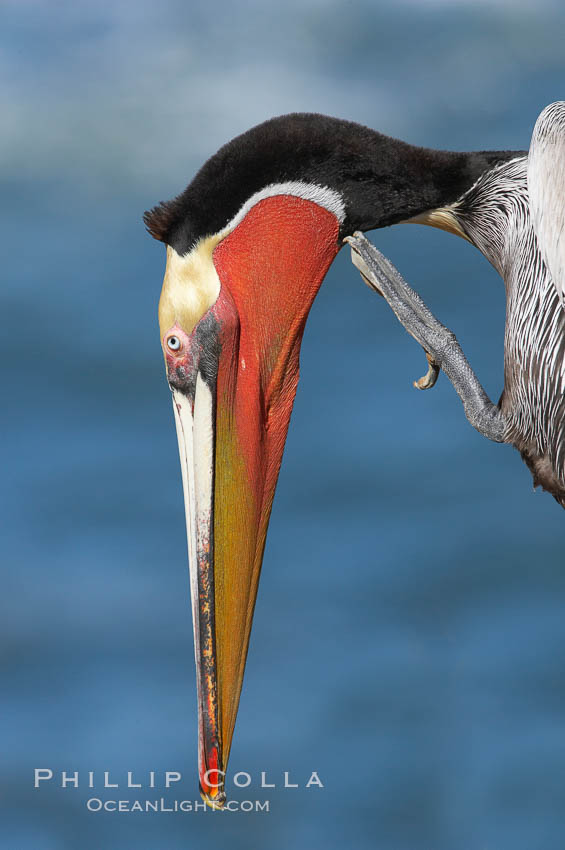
[[431, 376], [440, 344]]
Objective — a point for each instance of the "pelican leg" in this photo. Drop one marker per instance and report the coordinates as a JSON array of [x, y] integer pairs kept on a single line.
[[440, 344]]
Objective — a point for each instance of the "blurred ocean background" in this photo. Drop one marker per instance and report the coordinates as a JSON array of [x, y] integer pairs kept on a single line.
[[409, 639]]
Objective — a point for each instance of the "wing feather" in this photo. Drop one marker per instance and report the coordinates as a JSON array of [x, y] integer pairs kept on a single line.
[[546, 190]]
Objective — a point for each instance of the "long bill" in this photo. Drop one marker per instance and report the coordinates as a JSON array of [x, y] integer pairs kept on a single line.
[[230, 453], [234, 378], [195, 427], [230, 459]]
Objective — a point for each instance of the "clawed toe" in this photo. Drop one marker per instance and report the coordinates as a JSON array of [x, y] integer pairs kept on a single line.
[[428, 380]]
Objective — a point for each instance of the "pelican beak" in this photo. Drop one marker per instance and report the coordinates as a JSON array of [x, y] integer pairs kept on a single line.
[[192, 370], [193, 406], [233, 377], [230, 449]]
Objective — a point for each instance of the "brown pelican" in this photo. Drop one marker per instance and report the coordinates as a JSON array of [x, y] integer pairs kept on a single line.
[[248, 245], [515, 215]]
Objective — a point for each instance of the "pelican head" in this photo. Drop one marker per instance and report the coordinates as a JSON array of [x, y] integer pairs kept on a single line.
[[248, 245], [232, 314]]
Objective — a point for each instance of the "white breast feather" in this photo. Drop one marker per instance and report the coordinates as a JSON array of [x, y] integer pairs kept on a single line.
[[546, 190]]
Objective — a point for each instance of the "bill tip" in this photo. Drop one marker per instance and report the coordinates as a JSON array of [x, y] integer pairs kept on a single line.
[[214, 799]]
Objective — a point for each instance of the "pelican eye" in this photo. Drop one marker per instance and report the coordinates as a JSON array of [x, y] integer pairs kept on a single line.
[[174, 343]]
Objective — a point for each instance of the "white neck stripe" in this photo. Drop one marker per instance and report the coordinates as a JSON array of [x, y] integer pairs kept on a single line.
[[327, 198]]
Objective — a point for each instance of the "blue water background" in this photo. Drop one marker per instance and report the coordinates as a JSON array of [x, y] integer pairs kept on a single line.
[[409, 638]]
